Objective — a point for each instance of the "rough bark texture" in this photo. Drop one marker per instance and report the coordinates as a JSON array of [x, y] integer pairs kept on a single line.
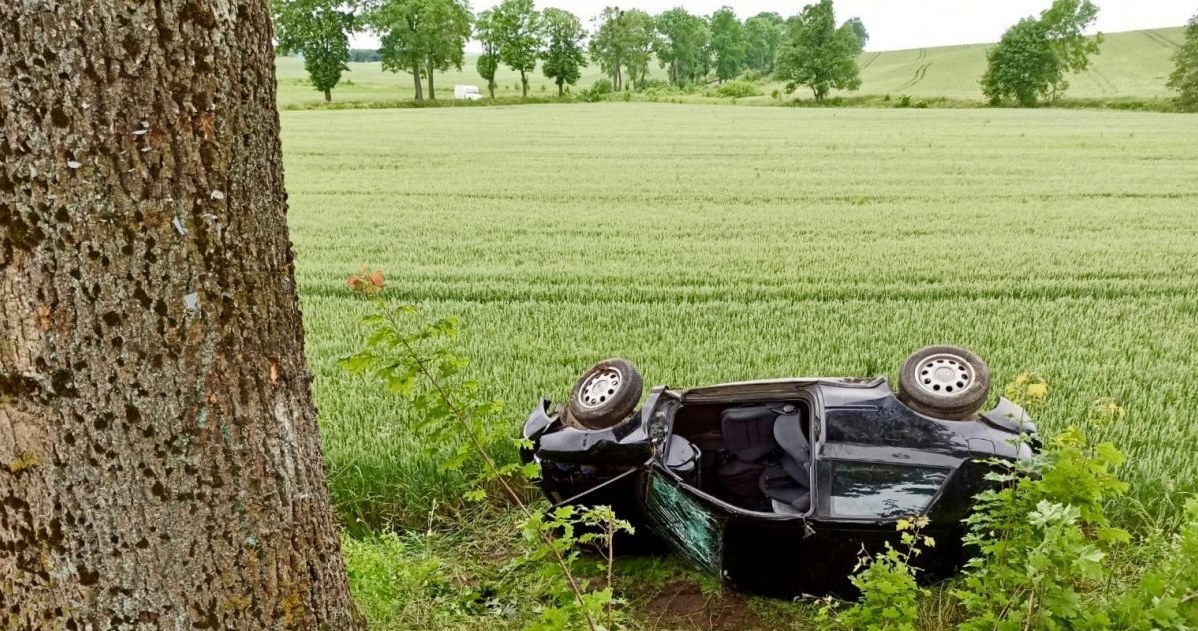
[[160, 465], [416, 78]]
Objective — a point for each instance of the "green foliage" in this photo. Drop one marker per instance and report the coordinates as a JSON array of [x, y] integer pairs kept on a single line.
[[859, 30], [1184, 79], [518, 25], [1043, 539], [763, 36], [817, 54], [623, 42], [421, 35], [319, 30], [681, 45], [1021, 66], [738, 89], [1030, 61], [727, 43], [889, 592], [488, 36], [563, 57], [415, 361]]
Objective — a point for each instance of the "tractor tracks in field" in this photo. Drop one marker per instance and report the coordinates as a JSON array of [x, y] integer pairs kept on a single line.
[[920, 73], [872, 58], [1161, 40]]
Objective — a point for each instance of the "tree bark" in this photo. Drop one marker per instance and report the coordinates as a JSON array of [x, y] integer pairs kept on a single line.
[[431, 95], [416, 78], [561, 89], [523, 83], [328, 95], [160, 462]]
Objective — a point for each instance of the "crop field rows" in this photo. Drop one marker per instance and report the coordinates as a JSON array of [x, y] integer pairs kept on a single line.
[[715, 243]]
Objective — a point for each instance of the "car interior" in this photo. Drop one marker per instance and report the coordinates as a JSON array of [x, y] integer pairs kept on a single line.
[[754, 456]]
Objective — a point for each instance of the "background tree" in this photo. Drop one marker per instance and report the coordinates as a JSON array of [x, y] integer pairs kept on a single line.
[[623, 45], [638, 33], [679, 45], [402, 37], [1031, 59], [448, 27], [763, 36], [160, 462], [487, 35], [1064, 23], [817, 54], [562, 56], [519, 26], [1185, 76], [727, 43], [859, 30], [319, 30]]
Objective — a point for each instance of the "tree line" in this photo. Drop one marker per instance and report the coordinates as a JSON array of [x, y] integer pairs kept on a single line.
[[1029, 64], [422, 37]]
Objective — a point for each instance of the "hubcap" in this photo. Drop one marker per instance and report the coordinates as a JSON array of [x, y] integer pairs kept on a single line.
[[600, 387], [944, 375]]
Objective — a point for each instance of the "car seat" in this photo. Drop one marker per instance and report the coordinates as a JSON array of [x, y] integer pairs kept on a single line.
[[788, 483]]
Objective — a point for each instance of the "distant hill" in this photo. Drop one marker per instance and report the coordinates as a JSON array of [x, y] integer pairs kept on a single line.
[[1133, 64]]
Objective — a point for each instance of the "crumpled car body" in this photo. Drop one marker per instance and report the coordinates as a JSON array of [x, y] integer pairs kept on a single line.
[[778, 487]]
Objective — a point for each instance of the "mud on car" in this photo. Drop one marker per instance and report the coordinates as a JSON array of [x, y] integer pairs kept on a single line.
[[778, 486]]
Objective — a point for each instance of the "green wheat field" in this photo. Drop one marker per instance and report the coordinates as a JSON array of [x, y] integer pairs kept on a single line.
[[722, 243]]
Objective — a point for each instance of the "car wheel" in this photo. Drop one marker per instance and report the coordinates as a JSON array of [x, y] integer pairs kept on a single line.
[[947, 382], [605, 394]]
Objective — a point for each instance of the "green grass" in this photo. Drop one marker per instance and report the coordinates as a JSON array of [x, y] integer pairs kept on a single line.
[[713, 243], [1132, 65]]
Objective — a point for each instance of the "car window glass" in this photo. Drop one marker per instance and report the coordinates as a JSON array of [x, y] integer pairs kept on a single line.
[[867, 489]]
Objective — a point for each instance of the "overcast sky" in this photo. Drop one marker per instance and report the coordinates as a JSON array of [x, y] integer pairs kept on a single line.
[[897, 24]]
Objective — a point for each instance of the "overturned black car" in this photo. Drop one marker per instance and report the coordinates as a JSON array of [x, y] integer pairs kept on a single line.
[[778, 486]]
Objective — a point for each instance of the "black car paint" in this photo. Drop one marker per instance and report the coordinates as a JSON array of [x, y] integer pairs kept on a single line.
[[853, 421]]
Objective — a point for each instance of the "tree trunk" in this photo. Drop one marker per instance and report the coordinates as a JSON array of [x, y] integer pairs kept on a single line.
[[431, 95], [160, 462], [328, 95], [416, 77], [561, 88], [491, 88], [523, 84]]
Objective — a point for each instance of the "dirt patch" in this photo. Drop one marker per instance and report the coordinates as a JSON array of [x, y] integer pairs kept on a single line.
[[681, 605]]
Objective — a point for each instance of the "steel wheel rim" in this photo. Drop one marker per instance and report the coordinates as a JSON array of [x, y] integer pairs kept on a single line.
[[600, 387], [944, 375]]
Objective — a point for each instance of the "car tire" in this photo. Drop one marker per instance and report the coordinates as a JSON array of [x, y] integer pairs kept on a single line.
[[605, 394], [947, 382]]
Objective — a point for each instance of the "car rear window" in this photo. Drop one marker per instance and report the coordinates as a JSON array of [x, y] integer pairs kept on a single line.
[[867, 489]]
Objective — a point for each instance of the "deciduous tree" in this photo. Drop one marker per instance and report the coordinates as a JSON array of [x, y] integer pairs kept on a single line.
[[1185, 76], [763, 37], [817, 54], [562, 56], [679, 45], [1031, 59], [727, 43], [623, 42], [449, 26], [160, 462], [319, 30], [519, 26], [402, 28], [488, 36], [638, 33]]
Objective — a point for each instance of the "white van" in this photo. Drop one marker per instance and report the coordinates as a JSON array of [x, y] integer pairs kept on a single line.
[[467, 92]]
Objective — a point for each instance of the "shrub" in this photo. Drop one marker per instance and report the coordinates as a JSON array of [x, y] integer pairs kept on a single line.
[[904, 100], [738, 89], [602, 87]]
